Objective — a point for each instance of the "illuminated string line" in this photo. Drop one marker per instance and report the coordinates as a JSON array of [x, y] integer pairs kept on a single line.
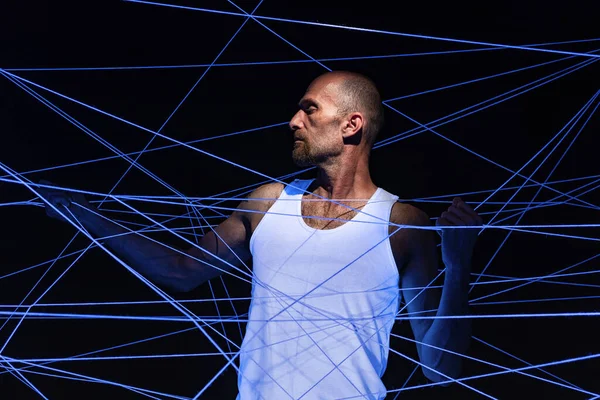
[[513, 92], [536, 300], [551, 203], [582, 187], [166, 201], [130, 123], [567, 386], [424, 200], [535, 280], [367, 251], [419, 199], [189, 329], [32, 289], [413, 360], [432, 228], [153, 221], [114, 358], [170, 146], [124, 345], [122, 119], [293, 21], [455, 85], [186, 96], [20, 377], [523, 361], [524, 89], [38, 299], [407, 380], [505, 369], [152, 302], [198, 216], [261, 24], [250, 63], [446, 196], [565, 152], [520, 369], [210, 339], [574, 122], [178, 106], [58, 258], [437, 228], [157, 290], [471, 151], [93, 379], [503, 280], [235, 319], [333, 59], [269, 126], [174, 140], [426, 127], [538, 204]]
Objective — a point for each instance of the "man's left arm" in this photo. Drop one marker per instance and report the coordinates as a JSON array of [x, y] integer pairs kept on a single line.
[[436, 335]]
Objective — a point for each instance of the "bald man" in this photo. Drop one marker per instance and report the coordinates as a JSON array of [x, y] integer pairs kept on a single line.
[[331, 256]]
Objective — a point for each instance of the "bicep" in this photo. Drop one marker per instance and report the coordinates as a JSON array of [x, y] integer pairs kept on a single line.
[[222, 249], [228, 245], [420, 295]]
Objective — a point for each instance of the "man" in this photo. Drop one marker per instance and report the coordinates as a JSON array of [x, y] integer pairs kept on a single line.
[[329, 256]]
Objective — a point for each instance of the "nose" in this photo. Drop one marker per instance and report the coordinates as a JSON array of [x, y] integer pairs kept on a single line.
[[296, 121]]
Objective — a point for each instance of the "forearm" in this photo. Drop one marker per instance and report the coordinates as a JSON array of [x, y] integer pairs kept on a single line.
[[451, 334], [153, 260]]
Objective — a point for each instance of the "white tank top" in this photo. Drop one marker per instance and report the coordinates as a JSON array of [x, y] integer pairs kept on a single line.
[[323, 304]]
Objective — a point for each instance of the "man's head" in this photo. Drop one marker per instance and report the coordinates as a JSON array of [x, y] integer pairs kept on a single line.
[[340, 111]]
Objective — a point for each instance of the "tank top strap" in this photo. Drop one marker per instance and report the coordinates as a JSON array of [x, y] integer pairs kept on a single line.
[[296, 188], [378, 208]]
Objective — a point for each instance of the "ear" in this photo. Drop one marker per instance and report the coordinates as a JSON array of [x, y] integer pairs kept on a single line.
[[353, 124]]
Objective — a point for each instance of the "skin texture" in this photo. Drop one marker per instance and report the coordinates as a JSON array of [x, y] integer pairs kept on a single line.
[[331, 141]]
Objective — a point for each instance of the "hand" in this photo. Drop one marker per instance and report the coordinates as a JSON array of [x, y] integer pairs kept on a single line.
[[62, 200], [457, 243]]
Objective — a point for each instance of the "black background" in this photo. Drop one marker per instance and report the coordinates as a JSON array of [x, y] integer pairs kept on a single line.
[[44, 34]]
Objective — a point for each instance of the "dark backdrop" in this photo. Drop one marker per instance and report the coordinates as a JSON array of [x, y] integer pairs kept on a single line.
[[45, 34]]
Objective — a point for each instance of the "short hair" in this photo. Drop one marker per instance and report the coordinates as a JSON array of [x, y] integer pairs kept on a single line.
[[359, 93]]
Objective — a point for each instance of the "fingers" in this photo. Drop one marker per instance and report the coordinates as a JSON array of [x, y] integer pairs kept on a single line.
[[466, 212], [450, 218], [459, 213]]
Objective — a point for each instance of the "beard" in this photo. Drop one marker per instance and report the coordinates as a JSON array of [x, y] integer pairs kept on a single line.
[[305, 155], [302, 156]]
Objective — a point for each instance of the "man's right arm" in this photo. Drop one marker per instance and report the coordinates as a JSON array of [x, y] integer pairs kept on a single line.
[[226, 246]]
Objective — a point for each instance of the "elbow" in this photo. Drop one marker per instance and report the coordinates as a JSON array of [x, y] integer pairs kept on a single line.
[[443, 377], [444, 371]]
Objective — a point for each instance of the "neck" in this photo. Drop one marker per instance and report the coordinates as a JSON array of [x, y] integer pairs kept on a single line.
[[345, 179]]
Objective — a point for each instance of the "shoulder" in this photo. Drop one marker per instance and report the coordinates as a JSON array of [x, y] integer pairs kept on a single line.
[[406, 214], [259, 201], [407, 242], [269, 191]]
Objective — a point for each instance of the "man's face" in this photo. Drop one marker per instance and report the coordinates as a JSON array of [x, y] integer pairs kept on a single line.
[[316, 125]]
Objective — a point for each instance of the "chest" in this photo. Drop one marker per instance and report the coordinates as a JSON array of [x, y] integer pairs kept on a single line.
[[327, 215]]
